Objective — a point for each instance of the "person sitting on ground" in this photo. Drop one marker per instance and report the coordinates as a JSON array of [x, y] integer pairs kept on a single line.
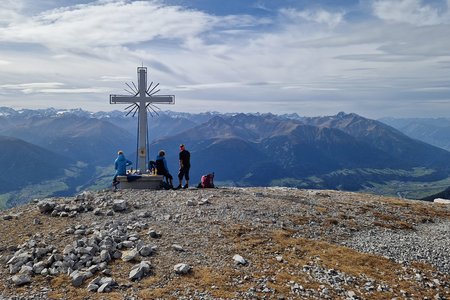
[[185, 165], [120, 164], [161, 167]]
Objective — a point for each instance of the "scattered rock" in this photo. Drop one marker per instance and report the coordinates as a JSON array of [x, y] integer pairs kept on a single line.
[[182, 268], [146, 250], [77, 278], [129, 255], [140, 270], [239, 259], [191, 202], [177, 248], [21, 279], [46, 207], [119, 205], [153, 234]]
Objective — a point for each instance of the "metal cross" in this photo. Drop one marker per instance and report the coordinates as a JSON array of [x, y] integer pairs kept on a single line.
[[141, 100]]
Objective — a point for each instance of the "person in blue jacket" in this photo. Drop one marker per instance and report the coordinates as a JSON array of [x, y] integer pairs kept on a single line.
[[120, 164], [162, 169]]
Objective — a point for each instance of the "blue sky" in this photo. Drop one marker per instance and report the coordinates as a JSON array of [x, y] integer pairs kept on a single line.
[[374, 57]]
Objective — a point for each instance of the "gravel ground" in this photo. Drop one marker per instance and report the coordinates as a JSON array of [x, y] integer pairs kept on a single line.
[[293, 244], [428, 243]]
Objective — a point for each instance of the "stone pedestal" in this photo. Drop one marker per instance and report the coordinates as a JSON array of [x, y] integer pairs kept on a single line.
[[150, 182]]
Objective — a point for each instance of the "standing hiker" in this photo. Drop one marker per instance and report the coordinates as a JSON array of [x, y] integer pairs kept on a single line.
[[185, 165]]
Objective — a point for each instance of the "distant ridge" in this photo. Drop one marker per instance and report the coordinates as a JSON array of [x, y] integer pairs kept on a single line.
[[385, 138], [22, 162], [343, 152], [435, 131], [78, 135]]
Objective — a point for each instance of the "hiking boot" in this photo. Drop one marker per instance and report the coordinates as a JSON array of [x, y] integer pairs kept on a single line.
[[185, 186], [178, 187]]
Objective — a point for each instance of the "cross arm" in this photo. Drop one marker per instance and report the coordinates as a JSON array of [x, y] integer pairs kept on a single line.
[[167, 99], [113, 99]]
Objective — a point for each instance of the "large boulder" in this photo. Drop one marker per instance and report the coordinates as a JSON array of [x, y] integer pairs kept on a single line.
[[46, 207], [119, 205]]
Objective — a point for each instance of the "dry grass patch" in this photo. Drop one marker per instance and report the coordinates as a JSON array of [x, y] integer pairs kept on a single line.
[[331, 222], [401, 225], [201, 279], [419, 208], [301, 220], [18, 231], [391, 221], [297, 252], [322, 209]]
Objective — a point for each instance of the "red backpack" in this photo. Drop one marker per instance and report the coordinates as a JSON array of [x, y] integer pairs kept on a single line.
[[207, 181]]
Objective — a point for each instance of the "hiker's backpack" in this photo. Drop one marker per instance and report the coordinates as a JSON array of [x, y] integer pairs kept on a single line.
[[207, 181]]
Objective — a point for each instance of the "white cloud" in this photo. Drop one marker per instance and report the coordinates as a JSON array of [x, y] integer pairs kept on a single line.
[[415, 12], [107, 78], [103, 24], [33, 87], [76, 90], [49, 87], [311, 61], [107, 24], [10, 11], [321, 16]]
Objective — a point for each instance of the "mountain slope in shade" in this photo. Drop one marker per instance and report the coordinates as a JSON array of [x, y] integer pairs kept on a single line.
[[433, 131], [255, 150], [80, 138], [381, 136], [444, 195], [24, 164]]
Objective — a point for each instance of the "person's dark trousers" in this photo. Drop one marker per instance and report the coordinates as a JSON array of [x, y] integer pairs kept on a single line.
[[184, 172]]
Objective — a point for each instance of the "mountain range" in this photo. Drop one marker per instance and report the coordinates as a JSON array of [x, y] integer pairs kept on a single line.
[[434, 131], [73, 149], [345, 151]]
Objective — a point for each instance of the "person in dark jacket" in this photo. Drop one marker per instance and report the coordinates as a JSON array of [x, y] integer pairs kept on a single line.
[[120, 165], [185, 165], [161, 167]]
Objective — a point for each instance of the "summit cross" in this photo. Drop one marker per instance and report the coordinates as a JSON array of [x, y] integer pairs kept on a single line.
[[142, 98]]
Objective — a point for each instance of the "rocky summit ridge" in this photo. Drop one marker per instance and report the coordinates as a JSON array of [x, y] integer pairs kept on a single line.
[[227, 243]]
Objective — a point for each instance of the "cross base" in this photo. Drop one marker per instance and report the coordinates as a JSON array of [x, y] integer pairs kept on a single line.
[[150, 182]]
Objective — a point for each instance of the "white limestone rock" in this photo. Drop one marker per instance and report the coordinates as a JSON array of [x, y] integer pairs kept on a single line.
[[442, 201], [239, 259], [129, 255], [182, 268]]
